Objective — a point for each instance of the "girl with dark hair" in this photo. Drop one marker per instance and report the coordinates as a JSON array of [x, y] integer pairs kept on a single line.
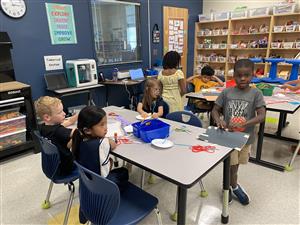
[[91, 148], [173, 81], [152, 101]]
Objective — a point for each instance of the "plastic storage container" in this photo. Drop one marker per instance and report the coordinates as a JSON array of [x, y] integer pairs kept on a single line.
[[9, 114], [12, 125], [266, 89], [263, 11], [12, 139], [284, 8], [151, 129], [221, 15], [239, 14]]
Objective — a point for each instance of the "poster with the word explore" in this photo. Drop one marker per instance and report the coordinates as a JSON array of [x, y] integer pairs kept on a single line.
[[61, 23]]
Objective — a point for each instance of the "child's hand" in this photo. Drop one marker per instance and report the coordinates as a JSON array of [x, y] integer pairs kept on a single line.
[[284, 86], [221, 124], [113, 144], [144, 115], [155, 115], [73, 119]]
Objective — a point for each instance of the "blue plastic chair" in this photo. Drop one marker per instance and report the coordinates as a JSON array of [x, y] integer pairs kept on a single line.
[[102, 203], [50, 165], [190, 119], [185, 117]]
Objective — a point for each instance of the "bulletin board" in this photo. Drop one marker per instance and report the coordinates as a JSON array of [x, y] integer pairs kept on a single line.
[[176, 32], [176, 35]]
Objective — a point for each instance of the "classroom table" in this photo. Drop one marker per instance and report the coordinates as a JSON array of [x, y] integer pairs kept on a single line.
[[77, 90], [276, 104], [178, 165]]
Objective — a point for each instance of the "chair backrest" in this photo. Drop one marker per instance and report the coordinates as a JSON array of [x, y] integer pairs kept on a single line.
[[50, 156], [99, 197], [185, 117], [166, 109]]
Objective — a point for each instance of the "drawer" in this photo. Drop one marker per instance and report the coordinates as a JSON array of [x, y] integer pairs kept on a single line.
[[12, 125], [12, 139]]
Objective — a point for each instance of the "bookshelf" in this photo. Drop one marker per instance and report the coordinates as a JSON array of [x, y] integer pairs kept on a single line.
[[221, 43]]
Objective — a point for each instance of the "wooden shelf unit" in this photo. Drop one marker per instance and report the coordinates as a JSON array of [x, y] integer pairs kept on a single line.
[[237, 34]]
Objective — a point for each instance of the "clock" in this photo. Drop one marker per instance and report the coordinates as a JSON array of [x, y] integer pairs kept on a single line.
[[13, 8]]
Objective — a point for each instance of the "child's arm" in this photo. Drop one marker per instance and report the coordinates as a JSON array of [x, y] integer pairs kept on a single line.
[[182, 86], [290, 87], [113, 144], [293, 82], [221, 83], [190, 79], [141, 111], [160, 112], [216, 114], [70, 121], [260, 117]]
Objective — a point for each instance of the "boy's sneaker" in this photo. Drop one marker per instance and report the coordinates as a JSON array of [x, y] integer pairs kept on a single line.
[[242, 196]]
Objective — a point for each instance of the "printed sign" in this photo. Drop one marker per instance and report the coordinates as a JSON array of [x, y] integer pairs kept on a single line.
[[61, 23], [53, 62]]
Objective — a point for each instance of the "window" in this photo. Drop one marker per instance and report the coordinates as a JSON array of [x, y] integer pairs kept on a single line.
[[116, 31]]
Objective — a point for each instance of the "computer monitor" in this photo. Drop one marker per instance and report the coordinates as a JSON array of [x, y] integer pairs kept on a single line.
[[136, 74], [56, 81]]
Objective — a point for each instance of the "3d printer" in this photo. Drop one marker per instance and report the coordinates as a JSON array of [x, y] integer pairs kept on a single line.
[[81, 72]]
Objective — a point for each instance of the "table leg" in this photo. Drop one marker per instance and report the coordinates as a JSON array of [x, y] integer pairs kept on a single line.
[[257, 159], [226, 183], [182, 196]]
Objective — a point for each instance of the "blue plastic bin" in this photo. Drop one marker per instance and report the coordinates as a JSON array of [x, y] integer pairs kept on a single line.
[[151, 129]]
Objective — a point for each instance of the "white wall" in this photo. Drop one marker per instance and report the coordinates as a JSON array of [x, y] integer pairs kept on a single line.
[[229, 5]]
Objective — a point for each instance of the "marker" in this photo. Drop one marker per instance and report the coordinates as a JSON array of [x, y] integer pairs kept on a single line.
[[116, 137]]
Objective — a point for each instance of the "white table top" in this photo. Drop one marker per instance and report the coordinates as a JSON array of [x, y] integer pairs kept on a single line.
[[178, 164], [74, 89]]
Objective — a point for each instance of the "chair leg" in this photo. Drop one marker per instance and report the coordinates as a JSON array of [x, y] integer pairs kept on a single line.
[[203, 192], [174, 215], [46, 204], [71, 187], [142, 179], [158, 216], [289, 167]]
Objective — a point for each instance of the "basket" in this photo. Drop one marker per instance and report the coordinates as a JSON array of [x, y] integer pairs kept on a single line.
[[284, 8], [221, 16], [151, 129], [290, 28], [238, 14], [279, 28], [288, 45], [263, 11], [276, 45], [266, 89]]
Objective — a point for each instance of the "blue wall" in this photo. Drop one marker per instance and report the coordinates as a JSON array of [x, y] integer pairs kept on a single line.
[[156, 12], [31, 40]]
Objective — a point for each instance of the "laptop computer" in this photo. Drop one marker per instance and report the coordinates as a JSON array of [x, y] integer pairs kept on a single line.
[[137, 74], [56, 81]]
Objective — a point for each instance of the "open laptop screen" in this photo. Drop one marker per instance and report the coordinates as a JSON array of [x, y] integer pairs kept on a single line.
[[56, 81], [136, 74]]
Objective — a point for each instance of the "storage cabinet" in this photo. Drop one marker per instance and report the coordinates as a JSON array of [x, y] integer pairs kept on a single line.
[[17, 119], [221, 43]]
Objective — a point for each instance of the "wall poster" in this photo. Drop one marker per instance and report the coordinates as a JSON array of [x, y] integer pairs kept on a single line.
[[176, 35], [61, 23]]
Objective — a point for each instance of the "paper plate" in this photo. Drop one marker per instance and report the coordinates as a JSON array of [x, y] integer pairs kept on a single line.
[[162, 143], [139, 117]]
